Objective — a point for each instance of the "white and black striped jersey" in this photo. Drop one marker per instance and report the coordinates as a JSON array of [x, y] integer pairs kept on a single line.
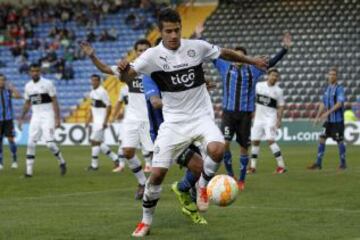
[[268, 99], [99, 102], [136, 109], [40, 95], [180, 77]]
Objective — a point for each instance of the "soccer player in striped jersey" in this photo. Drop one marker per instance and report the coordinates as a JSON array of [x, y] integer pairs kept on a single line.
[[99, 115], [40, 95], [331, 110], [7, 93], [239, 82], [269, 111]]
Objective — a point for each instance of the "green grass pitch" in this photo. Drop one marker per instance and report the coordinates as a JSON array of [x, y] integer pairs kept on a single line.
[[100, 205]]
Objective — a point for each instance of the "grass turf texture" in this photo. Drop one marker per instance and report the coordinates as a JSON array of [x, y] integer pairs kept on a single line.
[[100, 205]]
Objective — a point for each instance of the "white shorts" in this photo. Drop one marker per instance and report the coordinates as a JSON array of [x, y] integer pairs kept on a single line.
[[136, 133], [42, 128], [97, 133], [263, 131], [174, 138]]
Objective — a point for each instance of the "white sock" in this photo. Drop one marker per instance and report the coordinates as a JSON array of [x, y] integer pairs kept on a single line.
[[105, 149], [135, 166], [95, 151], [147, 157], [121, 156], [30, 157], [275, 149], [254, 155], [210, 168], [150, 199], [29, 165]]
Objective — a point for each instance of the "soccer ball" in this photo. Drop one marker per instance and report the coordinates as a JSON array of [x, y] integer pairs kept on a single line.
[[222, 190]]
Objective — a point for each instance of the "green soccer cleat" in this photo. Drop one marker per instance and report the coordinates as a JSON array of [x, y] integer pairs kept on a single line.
[[194, 216], [184, 198]]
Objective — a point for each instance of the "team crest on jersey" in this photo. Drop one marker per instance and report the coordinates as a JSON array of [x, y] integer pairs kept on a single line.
[[166, 67], [191, 53]]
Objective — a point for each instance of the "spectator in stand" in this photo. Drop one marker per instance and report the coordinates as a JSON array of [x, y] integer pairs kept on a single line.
[[105, 36], [90, 36], [24, 66]]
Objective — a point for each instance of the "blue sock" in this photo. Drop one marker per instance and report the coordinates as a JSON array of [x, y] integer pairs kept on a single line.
[[244, 160], [228, 163], [342, 151], [188, 181], [321, 151], [13, 149], [1, 151]]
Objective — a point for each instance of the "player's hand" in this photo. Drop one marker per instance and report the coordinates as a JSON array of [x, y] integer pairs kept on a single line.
[[324, 116], [87, 48], [123, 64], [316, 121], [57, 123], [120, 116], [287, 40], [20, 124], [105, 125], [261, 62]]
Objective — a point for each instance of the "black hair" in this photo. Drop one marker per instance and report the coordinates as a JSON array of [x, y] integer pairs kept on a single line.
[[158, 40], [273, 70], [141, 42], [35, 65], [168, 15], [240, 48], [333, 68], [2, 75], [96, 76]]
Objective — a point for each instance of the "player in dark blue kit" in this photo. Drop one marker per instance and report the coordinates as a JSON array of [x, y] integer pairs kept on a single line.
[[190, 158], [7, 92], [239, 82], [331, 111]]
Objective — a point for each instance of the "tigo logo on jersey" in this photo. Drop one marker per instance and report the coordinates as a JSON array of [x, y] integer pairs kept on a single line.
[[186, 78]]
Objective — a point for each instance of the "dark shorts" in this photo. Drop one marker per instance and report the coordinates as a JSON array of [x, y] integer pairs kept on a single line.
[[186, 155], [334, 130], [238, 123], [7, 128]]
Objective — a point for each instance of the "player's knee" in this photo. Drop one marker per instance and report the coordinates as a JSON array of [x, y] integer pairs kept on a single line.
[[157, 176], [128, 153], [216, 151]]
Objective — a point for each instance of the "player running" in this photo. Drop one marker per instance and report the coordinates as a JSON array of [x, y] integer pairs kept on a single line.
[[136, 127], [7, 93], [268, 114], [99, 116], [40, 95], [176, 67], [331, 110], [239, 82]]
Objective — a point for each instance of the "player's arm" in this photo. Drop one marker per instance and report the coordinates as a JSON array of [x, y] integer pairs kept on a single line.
[[286, 45], [88, 118], [233, 56], [25, 110], [319, 112], [280, 108], [152, 92], [118, 112], [14, 92], [107, 117], [56, 108], [90, 52]]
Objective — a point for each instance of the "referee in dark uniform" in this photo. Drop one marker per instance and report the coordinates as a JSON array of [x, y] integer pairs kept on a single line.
[[331, 111], [7, 92], [239, 84]]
